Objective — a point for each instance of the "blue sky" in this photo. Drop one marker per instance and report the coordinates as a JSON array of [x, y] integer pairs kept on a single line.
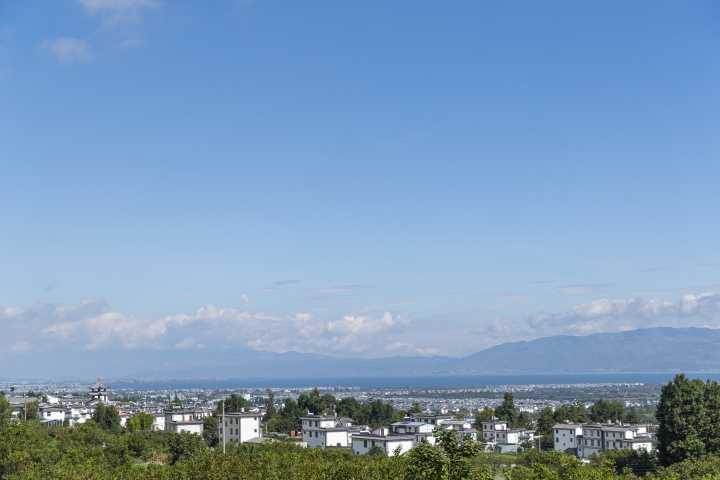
[[354, 178]]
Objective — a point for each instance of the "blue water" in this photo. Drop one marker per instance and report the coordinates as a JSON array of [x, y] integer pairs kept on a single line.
[[417, 380]]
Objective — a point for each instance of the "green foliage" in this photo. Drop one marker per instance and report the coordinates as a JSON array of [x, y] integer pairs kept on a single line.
[[546, 421], [349, 407], [575, 413], [5, 411], [184, 446], [640, 462], [604, 410], [523, 420], [415, 408], [375, 450], [631, 417], [376, 414], [685, 422], [506, 410], [234, 403], [32, 410], [280, 425], [317, 403], [484, 415], [447, 461], [141, 421], [106, 418], [210, 430], [270, 405]]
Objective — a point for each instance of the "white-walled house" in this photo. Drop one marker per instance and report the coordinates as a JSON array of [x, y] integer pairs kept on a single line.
[[48, 413], [180, 420], [383, 438], [239, 427], [565, 435], [323, 431], [597, 436], [462, 427], [420, 431], [431, 418]]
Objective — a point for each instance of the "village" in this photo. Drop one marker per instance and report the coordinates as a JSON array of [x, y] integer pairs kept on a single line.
[[187, 411]]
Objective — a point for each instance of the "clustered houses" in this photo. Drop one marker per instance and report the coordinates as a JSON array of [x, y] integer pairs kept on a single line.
[[332, 432], [584, 440], [498, 435]]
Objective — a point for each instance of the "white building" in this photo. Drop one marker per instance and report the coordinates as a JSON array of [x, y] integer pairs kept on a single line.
[[323, 431], [419, 430], [597, 436], [18, 403], [180, 420], [239, 427], [462, 427], [565, 436], [432, 418], [47, 413], [382, 438]]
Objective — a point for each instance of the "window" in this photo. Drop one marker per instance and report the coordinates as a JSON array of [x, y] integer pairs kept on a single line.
[[365, 443], [557, 440], [256, 430]]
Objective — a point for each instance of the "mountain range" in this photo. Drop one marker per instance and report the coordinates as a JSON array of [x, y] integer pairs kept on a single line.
[[642, 350]]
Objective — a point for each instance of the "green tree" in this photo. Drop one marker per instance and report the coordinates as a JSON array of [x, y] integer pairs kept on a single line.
[[270, 405], [604, 410], [210, 430], [449, 460], [484, 415], [349, 407], [631, 417], [506, 410], [415, 408], [236, 403], [5, 411], [681, 412], [141, 421], [32, 410], [546, 421], [523, 420], [106, 418], [176, 402], [280, 425], [185, 446]]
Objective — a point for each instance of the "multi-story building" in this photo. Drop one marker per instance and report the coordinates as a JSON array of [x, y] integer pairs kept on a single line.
[[565, 436], [239, 427], [432, 418], [324, 431], [494, 430], [180, 420], [382, 437], [598, 436], [418, 430]]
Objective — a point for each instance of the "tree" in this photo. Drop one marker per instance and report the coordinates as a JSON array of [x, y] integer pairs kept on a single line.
[[185, 446], [523, 420], [349, 407], [176, 401], [682, 414], [237, 404], [210, 430], [140, 422], [631, 416], [280, 425], [448, 460], [5, 411], [415, 408], [316, 402], [604, 410], [506, 410], [32, 410], [269, 405], [106, 418], [546, 421], [484, 415]]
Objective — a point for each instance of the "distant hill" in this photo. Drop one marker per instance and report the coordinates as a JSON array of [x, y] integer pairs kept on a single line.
[[642, 350]]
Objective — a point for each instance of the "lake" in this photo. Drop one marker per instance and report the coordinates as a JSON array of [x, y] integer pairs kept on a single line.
[[430, 380]]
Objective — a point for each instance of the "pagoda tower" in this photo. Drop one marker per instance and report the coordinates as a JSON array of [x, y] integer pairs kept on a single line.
[[99, 391]]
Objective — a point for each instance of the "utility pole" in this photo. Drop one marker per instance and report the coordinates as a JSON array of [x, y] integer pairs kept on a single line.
[[25, 407], [224, 426]]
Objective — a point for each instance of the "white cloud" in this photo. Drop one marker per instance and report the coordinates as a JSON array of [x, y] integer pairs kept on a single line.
[[67, 50], [600, 315], [244, 300], [114, 11], [86, 326]]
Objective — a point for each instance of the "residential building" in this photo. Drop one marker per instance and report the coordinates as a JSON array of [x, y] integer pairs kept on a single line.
[[419, 430], [323, 431], [180, 420], [565, 436], [432, 418], [494, 430], [463, 427], [598, 436], [390, 443], [51, 413], [240, 427], [18, 403]]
